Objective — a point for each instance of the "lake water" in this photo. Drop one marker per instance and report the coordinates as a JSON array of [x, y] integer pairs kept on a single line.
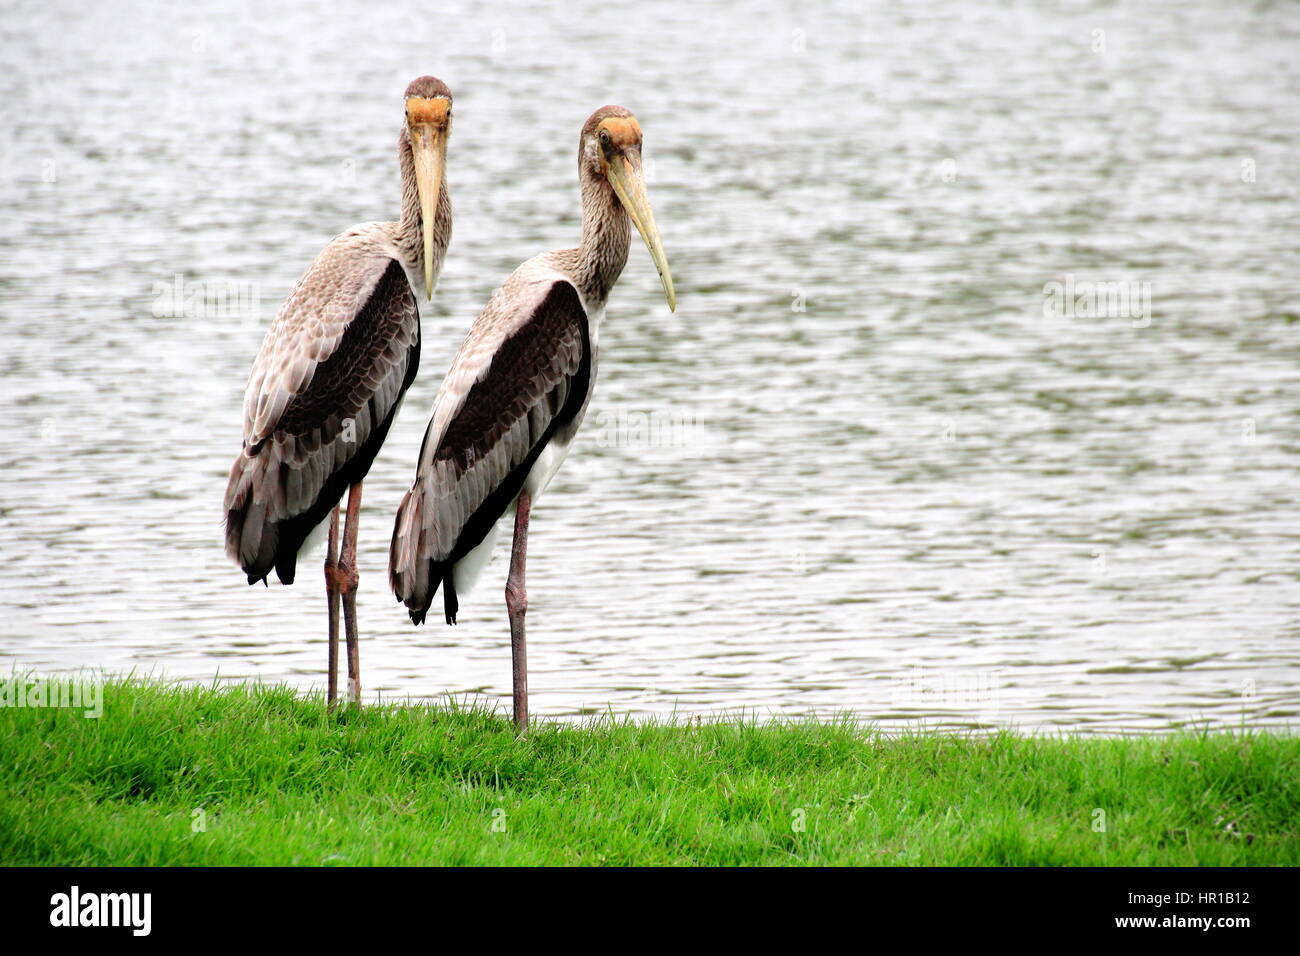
[[979, 407]]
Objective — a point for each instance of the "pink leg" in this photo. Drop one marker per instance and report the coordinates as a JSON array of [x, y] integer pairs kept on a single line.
[[332, 598], [517, 606], [348, 585]]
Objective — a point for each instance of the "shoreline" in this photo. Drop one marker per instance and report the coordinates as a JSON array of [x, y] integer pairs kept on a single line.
[[260, 775]]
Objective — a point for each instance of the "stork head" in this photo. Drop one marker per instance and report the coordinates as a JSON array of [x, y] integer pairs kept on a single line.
[[428, 125], [611, 148]]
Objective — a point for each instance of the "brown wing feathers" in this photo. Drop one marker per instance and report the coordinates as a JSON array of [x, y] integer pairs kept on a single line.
[[284, 485], [537, 380], [531, 366]]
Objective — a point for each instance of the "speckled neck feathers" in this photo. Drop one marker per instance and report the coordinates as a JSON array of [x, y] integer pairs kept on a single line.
[[606, 232]]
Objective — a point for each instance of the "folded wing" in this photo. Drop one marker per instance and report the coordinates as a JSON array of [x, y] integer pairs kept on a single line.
[[522, 373], [321, 397]]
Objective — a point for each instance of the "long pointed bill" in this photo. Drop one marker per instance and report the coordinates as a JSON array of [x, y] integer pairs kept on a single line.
[[629, 185], [429, 149]]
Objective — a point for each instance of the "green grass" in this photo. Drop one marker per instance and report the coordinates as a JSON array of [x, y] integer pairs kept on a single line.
[[273, 779]]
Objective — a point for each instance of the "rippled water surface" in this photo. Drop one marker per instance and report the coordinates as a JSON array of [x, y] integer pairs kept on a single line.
[[869, 464]]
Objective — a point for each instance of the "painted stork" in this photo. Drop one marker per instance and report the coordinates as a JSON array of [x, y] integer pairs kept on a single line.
[[517, 391], [331, 375]]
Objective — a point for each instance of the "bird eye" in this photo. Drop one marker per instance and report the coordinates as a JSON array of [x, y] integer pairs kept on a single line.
[[605, 137]]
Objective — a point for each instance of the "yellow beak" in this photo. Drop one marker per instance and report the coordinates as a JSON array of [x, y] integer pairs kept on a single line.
[[429, 150], [625, 176]]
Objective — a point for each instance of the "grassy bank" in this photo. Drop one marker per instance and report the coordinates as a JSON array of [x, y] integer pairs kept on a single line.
[[245, 775]]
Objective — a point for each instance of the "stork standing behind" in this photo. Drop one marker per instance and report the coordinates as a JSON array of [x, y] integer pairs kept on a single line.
[[331, 375], [517, 391]]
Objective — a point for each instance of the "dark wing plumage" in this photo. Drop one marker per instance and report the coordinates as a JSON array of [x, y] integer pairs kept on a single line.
[[521, 375], [321, 399]]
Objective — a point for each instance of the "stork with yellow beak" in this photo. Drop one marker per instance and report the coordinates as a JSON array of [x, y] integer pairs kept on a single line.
[[517, 391], [331, 375]]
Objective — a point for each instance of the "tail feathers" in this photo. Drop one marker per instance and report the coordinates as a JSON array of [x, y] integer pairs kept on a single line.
[[411, 577], [251, 530], [283, 487], [449, 603], [418, 567], [253, 523]]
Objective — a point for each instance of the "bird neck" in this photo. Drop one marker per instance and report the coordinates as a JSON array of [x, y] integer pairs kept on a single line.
[[410, 228], [605, 237]]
